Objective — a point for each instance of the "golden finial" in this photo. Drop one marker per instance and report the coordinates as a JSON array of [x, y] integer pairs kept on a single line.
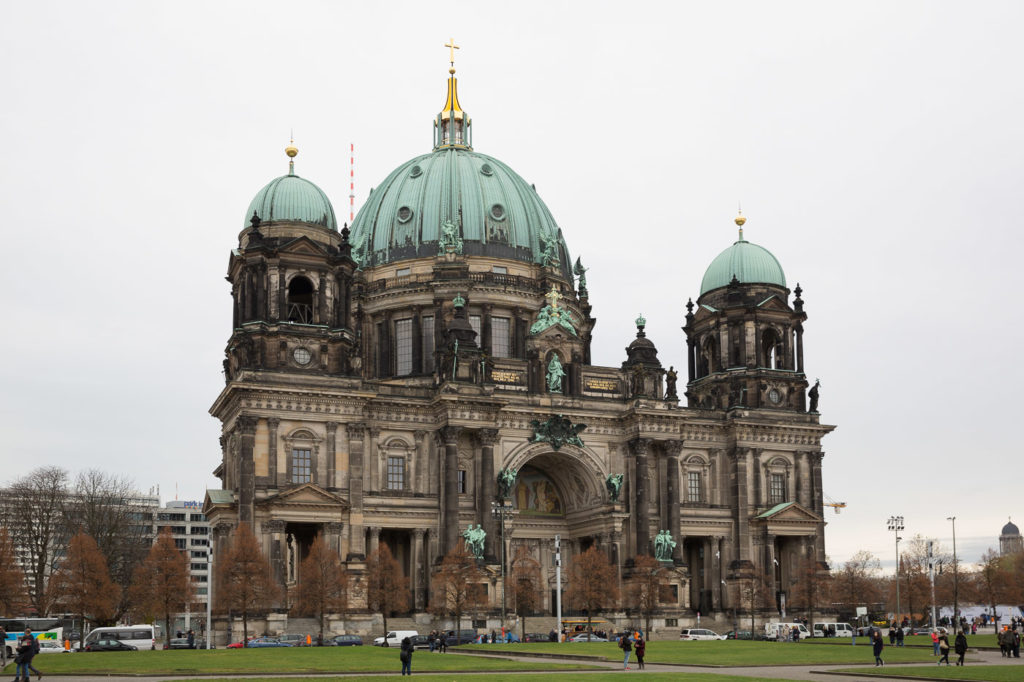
[[451, 53], [740, 220], [292, 151]]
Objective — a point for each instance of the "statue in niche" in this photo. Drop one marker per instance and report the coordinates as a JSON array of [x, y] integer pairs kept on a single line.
[[450, 241], [670, 384], [555, 374], [813, 395], [664, 545], [474, 538], [506, 481], [614, 485]]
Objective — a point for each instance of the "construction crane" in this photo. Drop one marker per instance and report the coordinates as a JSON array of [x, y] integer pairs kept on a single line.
[[832, 503]]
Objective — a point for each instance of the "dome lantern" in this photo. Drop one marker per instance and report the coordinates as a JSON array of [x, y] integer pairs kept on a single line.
[[452, 127], [745, 262]]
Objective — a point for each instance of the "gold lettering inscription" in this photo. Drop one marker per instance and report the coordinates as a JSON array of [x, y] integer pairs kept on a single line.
[[500, 376], [610, 385]]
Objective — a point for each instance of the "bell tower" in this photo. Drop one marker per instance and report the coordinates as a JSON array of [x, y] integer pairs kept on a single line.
[[744, 338]]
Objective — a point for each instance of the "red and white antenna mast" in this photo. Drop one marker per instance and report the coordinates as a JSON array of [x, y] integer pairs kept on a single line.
[[351, 182]]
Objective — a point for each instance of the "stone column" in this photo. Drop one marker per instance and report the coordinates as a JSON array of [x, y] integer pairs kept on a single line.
[[272, 425], [331, 455], [246, 470], [274, 532], [770, 558], [639, 447], [740, 495], [818, 502], [716, 572], [357, 538], [372, 461], [672, 450], [334, 532], [418, 565], [374, 538], [487, 438], [450, 434], [282, 293], [420, 485]]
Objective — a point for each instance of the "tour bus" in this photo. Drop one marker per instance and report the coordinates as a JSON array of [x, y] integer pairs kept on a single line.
[[142, 637], [42, 628]]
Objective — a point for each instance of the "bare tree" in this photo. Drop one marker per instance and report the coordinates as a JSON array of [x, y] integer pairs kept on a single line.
[[856, 583], [813, 586], [646, 585], [915, 587], [100, 506], [245, 584], [162, 586], [754, 594], [593, 584], [994, 582], [457, 585], [387, 588], [82, 585], [323, 583], [33, 510], [524, 584], [12, 579]]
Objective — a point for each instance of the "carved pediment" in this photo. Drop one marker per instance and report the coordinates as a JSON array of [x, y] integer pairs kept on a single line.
[[303, 246], [305, 495], [789, 513], [773, 302]]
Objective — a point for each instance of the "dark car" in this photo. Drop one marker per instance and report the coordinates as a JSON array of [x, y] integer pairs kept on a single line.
[[346, 640], [536, 637], [179, 643], [739, 634], [109, 645], [293, 640], [264, 642], [463, 637], [420, 642]]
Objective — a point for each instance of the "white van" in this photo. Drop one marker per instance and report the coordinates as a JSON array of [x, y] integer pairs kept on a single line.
[[833, 630], [771, 630], [394, 638]]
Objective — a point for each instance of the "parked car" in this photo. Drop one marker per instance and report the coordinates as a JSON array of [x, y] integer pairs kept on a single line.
[[537, 637], [293, 640], [464, 637], [698, 633], [738, 634], [346, 640], [51, 646], [420, 642], [178, 643], [584, 637], [264, 642], [394, 638], [109, 645]]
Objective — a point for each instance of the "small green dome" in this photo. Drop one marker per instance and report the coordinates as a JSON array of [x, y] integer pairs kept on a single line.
[[496, 212], [290, 198], [749, 263]]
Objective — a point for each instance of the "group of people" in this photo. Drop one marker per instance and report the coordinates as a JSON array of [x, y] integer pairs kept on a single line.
[[633, 641], [26, 650], [939, 640], [1009, 641], [437, 641]]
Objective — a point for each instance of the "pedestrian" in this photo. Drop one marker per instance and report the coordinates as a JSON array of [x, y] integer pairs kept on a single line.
[[626, 647], [877, 648], [899, 636], [28, 647], [3, 647], [191, 639], [943, 646], [641, 649], [892, 635], [406, 656], [935, 642], [1001, 639], [960, 646], [1015, 642]]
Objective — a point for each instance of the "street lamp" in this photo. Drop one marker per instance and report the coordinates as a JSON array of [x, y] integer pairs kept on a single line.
[[956, 618], [895, 524], [503, 512]]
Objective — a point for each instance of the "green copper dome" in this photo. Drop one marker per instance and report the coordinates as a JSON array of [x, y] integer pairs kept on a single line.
[[290, 198], [749, 263], [495, 212]]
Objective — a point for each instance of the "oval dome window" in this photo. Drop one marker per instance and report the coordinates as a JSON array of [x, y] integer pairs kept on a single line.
[[404, 214], [415, 172], [487, 170], [498, 212]]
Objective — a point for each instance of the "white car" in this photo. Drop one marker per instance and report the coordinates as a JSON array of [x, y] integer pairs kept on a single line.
[[697, 633], [50, 646]]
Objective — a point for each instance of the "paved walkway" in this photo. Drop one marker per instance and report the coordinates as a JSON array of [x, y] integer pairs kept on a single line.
[[814, 673]]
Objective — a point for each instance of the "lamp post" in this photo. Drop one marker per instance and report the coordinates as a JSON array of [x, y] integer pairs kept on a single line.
[[895, 524], [209, 595], [503, 512], [956, 605]]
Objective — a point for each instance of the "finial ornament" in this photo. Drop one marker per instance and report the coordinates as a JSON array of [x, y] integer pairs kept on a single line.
[[292, 151], [641, 321], [553, 297], [740, 221], [451, 52]]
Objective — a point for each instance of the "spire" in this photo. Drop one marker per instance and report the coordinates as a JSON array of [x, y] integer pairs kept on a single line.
[[292, 151], [740, 221], [452, 128]]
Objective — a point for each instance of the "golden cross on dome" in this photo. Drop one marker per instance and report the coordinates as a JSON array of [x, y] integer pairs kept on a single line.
[[451, 50], [553, 297]]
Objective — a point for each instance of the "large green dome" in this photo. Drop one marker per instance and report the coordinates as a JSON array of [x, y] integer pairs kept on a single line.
[[290, 198], [749, 263], [494, 210]]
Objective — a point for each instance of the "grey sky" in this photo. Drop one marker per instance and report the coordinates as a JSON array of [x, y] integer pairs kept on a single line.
[[876, 149]]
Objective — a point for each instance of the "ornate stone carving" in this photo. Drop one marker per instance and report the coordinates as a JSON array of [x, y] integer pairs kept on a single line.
[[639, 446], [450, 434], [557, 431], [274, 526], [487, 436]]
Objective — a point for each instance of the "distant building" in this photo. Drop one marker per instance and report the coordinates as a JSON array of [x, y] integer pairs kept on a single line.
[[1010, 540], [191, 533]]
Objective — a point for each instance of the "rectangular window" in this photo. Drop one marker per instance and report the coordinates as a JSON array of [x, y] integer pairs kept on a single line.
[[396, 473], [693, 486], [178, 530], [200, 530], [500, 337], [462, 481], [777, 488], [198, 554], [402, 272], [196, 517], [499, 270], [302, 466], [427, 327], [403, 346], [474, 322], [199, 567], [199, 543], [179, 543]]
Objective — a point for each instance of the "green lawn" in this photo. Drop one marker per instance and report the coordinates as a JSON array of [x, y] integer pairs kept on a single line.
[[590, 677], [725, 653], [983, 673], [298, 660]]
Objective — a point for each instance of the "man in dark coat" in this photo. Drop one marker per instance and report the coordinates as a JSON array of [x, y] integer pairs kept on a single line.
[[406, 656], [876, 648], [960, 646]]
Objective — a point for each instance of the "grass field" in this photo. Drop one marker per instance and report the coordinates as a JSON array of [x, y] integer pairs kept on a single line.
[[727, 653], [983, 673], [590, 677], [298, 660]]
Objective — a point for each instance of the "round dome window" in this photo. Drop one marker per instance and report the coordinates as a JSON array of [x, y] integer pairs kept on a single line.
[[498, 212], [487, 170], [415, 172], [404, 214]]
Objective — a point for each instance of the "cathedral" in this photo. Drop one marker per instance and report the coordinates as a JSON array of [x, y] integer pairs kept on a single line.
[[424, 375]]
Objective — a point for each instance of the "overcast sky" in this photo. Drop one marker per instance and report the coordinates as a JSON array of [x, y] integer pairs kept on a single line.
[[876, 148]]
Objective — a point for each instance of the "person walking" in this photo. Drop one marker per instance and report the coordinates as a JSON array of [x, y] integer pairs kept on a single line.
[[641, 649], [27, 649], [1015, 642], [943, 646], [899, 636], [626, 647], [960, 646], [876, 648], [406, 656], [935, 642]]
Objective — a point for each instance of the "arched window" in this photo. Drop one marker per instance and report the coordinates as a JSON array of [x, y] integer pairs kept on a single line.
[[709, 356], [771, 348], [300, 301]]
